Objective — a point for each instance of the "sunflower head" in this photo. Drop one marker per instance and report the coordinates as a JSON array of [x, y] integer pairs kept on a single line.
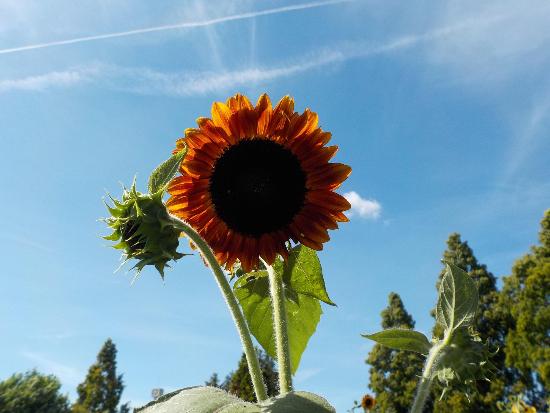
[[143, 229], [256, 177], [368, 402]]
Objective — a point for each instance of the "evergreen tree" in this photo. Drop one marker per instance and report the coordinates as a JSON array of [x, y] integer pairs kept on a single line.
[[490, 326], [101, 390], [239, 382], [526, 296], [213, 381], [32, 392], [394, 373]]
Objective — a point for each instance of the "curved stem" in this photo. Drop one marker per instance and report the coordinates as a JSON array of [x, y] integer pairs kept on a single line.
[[426, 380], [240, 322], [281, 329]]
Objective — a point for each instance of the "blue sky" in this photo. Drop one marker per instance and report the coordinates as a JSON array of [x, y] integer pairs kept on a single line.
[[442, 109]]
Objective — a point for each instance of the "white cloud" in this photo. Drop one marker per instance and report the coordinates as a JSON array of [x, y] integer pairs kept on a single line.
[[365, 208], [48, 80]]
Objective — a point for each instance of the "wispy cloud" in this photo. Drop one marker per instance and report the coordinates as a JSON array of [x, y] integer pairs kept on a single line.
[[149, 81], [67, 374], [60, 335], [304, 375], [182, 25], [364, 208], [500, 48], [528, 137], [26, 241], [48, 80]]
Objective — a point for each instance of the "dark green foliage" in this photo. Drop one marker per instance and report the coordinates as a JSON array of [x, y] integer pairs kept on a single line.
[[239, 382], [32, 392], [213, 381], [526, 297], [491, 328], [394, 373], [101, 390]]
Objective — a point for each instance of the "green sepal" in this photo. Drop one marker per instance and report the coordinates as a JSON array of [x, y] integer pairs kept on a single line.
[[464, 360], [113, 237], [401, 339], [163, 174]]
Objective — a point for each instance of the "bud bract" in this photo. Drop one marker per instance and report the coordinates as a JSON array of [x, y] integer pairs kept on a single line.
[[143, 229]]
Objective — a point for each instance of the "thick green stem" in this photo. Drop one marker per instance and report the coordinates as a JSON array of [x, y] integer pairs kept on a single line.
[[423, 390], [281, 330], [421, 395], [242, 327]]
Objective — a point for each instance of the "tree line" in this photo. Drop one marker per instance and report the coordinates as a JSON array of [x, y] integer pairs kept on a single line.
[[100, 392]]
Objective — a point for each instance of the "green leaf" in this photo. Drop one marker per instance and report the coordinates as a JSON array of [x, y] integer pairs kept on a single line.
[[401, 339], [458, 299], [214, 400], [297, 402], [163, 173], [199, 400], [303, 314], [303, 273]]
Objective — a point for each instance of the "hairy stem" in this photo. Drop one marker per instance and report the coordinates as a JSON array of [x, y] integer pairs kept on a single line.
[[281, 329], [240, 322], [423, 390]]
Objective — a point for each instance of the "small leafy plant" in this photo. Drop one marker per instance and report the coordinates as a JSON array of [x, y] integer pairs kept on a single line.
[[459, 358]]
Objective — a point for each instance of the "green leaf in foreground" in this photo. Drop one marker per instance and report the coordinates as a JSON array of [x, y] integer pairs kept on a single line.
[[163, 173], [458, 299], [212, 399], [401, 339], [303, 314], [297, 402], [199, 400], [303, 273]]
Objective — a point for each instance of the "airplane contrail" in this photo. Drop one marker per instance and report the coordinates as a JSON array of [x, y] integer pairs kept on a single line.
[[183, 25]]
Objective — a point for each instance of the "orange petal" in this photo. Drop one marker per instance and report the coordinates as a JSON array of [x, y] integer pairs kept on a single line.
[[263, 103], [220, 115], [328, 200], [239, 102], [318, 156], [329, 176]]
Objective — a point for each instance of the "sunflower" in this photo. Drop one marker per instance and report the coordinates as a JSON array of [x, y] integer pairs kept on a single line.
[[255, 177], [368, 402]]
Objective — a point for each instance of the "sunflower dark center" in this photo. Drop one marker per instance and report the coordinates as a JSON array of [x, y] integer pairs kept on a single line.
[[257, 187]]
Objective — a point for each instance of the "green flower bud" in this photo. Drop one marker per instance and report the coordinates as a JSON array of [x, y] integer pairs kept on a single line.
[[144, 230], [464, 360]]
